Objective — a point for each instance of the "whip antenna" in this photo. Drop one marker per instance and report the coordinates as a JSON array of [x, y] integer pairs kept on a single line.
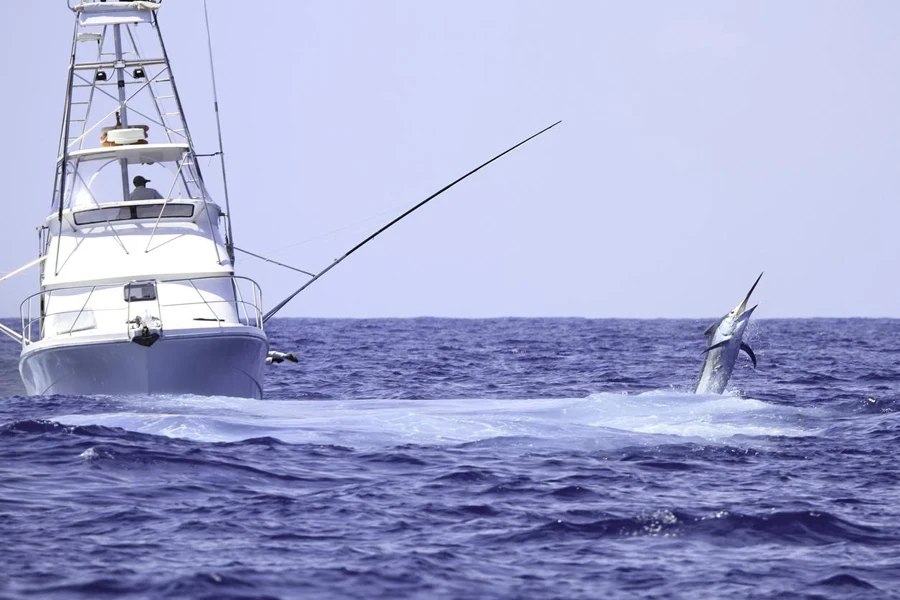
[[282, 304], [229, 239]]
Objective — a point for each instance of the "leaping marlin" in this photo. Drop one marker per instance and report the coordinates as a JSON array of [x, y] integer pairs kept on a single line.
[[723, 344]]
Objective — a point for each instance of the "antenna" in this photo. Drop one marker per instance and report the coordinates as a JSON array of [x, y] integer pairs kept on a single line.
[[229, 238]]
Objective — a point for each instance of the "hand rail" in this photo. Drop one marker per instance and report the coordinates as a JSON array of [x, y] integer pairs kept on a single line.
[[101, 310], [199, 293], [166, 202], [238, 301], [80, 312]]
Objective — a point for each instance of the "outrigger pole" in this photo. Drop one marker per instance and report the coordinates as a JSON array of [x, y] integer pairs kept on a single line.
[[3, 328], [64, 144], [229, 239], [284, 302]]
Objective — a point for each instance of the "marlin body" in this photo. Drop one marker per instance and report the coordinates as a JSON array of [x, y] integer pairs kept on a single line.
[[723, 344]]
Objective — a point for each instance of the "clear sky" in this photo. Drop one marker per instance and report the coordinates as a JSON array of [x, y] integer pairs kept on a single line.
[[701, 143]]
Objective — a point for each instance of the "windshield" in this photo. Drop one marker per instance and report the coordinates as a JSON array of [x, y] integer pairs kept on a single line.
[[138, 211]]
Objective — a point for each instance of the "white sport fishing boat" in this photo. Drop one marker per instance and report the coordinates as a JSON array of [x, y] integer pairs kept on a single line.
[[138, 292]]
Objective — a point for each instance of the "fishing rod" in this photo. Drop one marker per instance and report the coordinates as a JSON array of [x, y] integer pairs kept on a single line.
[[284, 302], [269, 260]]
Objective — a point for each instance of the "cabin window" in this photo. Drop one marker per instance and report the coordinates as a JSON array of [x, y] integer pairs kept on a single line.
[[138, 292], [151, 211], [86, 217], [137, 211]]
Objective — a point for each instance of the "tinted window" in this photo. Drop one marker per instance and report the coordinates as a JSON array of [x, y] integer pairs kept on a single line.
[[100, 215], [138, 211], [136, 292], [151, 211]]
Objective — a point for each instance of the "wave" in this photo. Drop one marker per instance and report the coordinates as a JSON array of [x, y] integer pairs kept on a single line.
[[598, 421], [801, 528], [30, 427]]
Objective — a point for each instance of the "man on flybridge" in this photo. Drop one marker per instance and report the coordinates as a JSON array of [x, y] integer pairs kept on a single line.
[[141, 191]]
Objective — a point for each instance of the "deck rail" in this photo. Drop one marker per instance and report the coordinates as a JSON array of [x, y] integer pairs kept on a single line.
[[245, 300]]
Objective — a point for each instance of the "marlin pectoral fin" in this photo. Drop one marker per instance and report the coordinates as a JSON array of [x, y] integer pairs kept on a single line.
[[714, 346], [749, 352]]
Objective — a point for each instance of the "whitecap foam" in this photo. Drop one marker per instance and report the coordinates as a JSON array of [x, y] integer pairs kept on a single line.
[[599, 420]]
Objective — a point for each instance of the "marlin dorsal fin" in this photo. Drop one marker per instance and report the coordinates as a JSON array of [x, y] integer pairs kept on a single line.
[[749, 352]]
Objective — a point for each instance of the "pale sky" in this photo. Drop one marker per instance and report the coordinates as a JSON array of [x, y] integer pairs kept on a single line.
[[701, 143]]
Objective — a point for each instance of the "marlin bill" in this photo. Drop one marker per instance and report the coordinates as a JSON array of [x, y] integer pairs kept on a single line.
[[723, 344]]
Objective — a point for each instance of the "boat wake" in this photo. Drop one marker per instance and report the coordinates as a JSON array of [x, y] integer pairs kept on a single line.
[[601, 421]]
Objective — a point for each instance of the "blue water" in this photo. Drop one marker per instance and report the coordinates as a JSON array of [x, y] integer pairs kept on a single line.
[[509, 458]]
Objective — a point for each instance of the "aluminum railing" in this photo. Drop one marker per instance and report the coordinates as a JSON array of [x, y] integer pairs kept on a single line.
[[248, 310]]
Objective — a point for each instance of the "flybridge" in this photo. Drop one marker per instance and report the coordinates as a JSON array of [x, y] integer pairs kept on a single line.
[[122, 105], [104, 14], [126, 156], [134, 154], [114, 13]]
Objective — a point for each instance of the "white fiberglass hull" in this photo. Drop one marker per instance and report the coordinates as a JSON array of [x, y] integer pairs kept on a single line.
[[221, 362]]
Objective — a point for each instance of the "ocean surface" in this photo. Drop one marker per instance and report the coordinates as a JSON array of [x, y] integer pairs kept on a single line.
[[501, 458]]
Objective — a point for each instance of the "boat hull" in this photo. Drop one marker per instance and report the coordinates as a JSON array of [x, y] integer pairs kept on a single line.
[[212, 364]]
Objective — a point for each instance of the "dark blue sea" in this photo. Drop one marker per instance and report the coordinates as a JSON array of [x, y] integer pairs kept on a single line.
[[501, 458]]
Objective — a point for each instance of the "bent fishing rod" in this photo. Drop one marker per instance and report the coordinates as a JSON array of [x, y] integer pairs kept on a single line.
[[337, 261]]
